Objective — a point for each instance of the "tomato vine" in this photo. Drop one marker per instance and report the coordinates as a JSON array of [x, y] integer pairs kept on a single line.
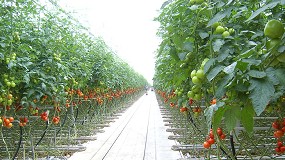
[[239, 45], [50, 65]]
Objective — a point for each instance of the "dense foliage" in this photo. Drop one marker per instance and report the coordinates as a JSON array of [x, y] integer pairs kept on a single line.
[[230, 52], [49, 59]]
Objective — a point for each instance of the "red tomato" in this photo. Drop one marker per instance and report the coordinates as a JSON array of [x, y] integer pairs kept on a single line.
[[207, 145], [211, 141], [219, 131], [278, 134]]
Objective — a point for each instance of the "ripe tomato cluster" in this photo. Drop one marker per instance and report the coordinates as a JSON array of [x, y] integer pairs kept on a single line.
[[55, 120], [183, 109], [172, 104], [44, 116], [211, 138], [7, 122], [23, 121], [279, 126], [197, 111], [213, 101], [280, 147]]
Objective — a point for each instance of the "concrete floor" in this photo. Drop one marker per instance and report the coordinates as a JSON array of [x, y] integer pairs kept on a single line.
[[139, 134]]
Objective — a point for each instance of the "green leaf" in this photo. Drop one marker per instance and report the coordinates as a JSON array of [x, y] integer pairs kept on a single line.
[[241, 87], [261, 91], [262, 9], [218, 116], [256, 74], [252, 61], [219, 16], [1, 55], [209, 64], [271, 74], [281, 49], [177, 41], [30, 92], [230, 69], [203, 35], [252, 43], [218, 44], [188, 46], [222, 56], [280, 75], [214, 72], [209, 112], [247, 114], [173, 54], [221, 90], [3, 45], [241, 65], [26, 78], [194, 7], [247, 53], [182, 56], [231, 117], [44, 87]]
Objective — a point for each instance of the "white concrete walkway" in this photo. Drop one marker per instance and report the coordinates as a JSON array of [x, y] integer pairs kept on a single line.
[[139, 134]]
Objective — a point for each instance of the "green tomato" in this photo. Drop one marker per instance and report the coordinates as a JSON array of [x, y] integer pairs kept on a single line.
[[7, 60], [200, 74], [193, 73], [13, 84], [272, 43], [195, 89], [197, 97], [16, 36], [9, 102], [5, 76], [204, 62], [199, 1], [8, 84], [196, 80], [215, 25], [220, 29], [274, 29], [192, 1], [190, 94], [226, 34], [231, 30], [179, 93]]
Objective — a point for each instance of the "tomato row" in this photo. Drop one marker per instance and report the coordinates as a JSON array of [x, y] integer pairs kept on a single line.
[[226, 57]]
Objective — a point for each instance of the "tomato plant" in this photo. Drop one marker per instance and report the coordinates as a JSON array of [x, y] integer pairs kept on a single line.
[[50, 67], [240, 51]]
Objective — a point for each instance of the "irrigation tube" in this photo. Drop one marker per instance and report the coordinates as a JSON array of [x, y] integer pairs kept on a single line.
[[192, 121], [62, 123], [232, 144], [42, 135], [19, 143]]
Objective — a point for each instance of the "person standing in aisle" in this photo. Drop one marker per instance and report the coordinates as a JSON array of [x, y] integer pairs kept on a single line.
[[146, 88]]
